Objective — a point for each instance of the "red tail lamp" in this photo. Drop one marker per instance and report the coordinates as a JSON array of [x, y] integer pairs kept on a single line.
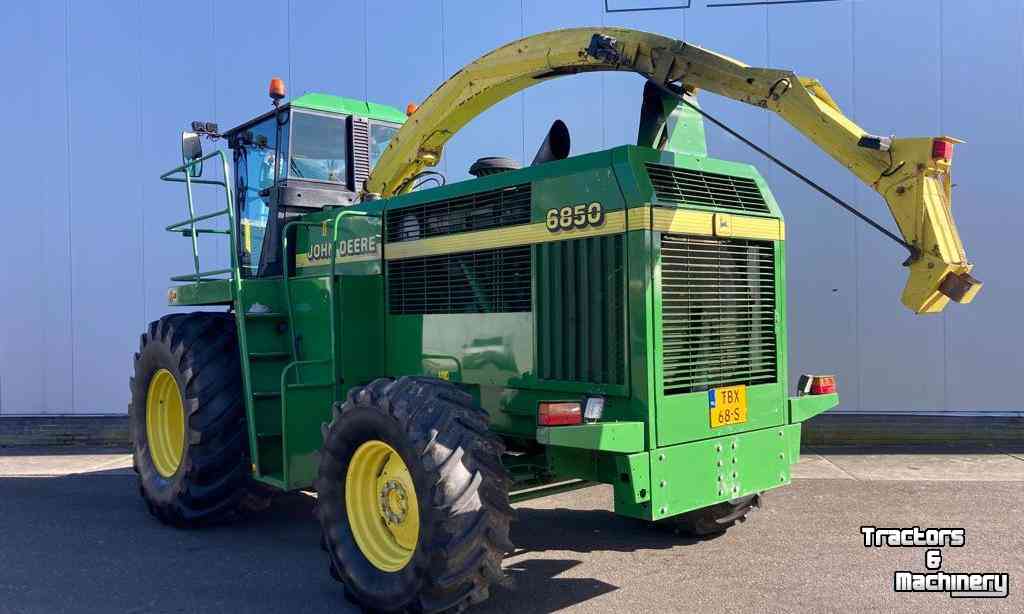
[[559, 413], [277, 88], [823, 384], [942, 150], [817, 384]]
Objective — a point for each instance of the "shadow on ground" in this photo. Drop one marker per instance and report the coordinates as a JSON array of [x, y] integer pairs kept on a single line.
[[85, 543]]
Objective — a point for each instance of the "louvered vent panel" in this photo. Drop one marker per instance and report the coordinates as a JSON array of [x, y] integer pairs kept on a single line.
[[718, 312], [580, 310], [486, 281], [690, 187], [491, 209], [360, 151]]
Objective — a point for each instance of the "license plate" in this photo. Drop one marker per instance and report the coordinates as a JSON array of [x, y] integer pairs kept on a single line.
[[728, 405]]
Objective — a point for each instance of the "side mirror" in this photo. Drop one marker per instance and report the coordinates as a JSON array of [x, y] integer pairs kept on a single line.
[[191, 151]]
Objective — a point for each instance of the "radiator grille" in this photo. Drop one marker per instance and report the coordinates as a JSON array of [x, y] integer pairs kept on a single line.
[[491, 209], [691, 187], [580, 312], [718, 312], [486, 281]]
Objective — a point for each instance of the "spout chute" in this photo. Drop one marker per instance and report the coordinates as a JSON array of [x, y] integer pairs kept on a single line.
[[912, 174]]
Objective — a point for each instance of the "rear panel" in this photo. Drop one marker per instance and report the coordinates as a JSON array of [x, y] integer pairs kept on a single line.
[[718, 287]]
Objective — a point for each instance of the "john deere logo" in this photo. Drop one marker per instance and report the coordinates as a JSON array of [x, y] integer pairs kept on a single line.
[[358, 246], [723, 225]]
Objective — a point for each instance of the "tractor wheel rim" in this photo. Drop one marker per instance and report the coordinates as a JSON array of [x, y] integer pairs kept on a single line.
[[165, 423], [383, 511]]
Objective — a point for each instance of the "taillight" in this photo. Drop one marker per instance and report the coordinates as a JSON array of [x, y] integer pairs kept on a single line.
[[559, 414], [817, 384], [823, 384], [942, 150]]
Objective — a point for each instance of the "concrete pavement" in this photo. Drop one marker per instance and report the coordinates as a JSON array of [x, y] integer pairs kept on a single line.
[[75, 537], [837, 464]]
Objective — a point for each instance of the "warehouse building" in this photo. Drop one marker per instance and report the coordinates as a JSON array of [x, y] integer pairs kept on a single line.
[[98, 93]]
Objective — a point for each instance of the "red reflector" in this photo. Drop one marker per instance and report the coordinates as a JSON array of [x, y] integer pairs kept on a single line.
[[823, 384], [558, 414], [942, 150]]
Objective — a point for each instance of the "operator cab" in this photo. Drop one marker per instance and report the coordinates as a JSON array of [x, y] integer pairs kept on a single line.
[[325, 147]]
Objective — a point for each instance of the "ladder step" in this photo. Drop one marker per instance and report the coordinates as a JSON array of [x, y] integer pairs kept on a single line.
[[266, 395], [270, 355], [301, 386], [268, 314]]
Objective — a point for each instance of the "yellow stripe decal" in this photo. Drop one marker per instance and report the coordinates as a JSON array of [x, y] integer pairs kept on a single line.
[[676, 221], [526, 234]]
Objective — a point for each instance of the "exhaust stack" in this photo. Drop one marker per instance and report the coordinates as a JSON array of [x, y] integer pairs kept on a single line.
[[555, 145]]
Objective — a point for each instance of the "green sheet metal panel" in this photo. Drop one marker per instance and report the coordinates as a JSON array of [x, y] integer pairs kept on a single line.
[[808, 406], [624, 437], [697, 474], [212, 292]]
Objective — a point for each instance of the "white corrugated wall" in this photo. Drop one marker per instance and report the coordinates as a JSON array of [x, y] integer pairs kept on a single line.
[[97, 92]]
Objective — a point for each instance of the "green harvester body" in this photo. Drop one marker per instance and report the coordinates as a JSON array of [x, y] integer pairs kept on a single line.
[[674, 286]]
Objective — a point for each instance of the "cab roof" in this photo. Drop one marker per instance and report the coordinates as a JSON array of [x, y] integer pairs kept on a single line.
[[316, 101]]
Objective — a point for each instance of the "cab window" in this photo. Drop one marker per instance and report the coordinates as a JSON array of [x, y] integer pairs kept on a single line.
[[380, 136], [319, 148]]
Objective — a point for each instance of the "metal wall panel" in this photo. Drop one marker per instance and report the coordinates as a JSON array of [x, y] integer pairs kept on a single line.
[[106, 177], [820, 255], [982, 96], [104, 91], [893, 375]]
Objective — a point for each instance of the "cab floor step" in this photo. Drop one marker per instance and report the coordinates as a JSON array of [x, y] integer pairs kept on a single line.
[[266, 314], [270, 355]]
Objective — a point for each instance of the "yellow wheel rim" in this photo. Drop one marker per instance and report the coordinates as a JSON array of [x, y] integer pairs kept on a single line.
[[383, 511], [165, 423]]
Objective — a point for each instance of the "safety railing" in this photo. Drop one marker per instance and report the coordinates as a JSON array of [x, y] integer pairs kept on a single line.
[[188, 227]]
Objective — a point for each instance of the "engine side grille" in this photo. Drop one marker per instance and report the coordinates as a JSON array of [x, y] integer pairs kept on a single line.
[[486, 281], [580, 310], [689, 187], [718, 312], [491, 209]]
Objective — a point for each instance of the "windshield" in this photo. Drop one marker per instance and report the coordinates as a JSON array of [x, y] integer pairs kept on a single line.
[[380, 136], [319, 148]]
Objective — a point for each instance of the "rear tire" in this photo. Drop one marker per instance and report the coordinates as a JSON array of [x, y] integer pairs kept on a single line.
[[205, 478], [712, 520], [460, 496]]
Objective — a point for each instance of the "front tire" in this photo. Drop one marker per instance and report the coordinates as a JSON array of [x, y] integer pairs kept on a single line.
[[413, 498], [187, 421]]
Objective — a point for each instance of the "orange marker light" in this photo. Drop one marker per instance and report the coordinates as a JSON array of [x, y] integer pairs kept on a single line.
[[277, 88], [410, 108]]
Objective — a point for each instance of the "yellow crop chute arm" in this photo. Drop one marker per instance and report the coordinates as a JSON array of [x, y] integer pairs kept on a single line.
[[912, 175]]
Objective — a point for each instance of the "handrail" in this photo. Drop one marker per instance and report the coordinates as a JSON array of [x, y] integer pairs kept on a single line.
[[333, 313], [191, 230], [330, 291]]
